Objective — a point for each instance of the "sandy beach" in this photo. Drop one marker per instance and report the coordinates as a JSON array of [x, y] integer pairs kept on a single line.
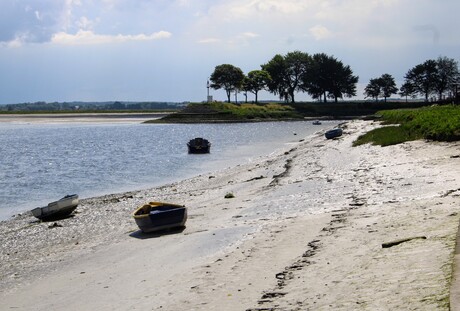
[[321, 225]]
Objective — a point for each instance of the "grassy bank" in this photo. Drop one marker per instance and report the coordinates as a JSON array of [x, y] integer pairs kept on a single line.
[[440, 123], [227, 112]]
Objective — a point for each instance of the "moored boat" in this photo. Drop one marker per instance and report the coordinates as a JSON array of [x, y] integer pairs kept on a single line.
[[333, 133], [155, 216], [199, 145], [58, 209]]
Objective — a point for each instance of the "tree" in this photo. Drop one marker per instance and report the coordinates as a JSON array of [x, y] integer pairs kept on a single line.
[[422, 78], [384, 86], [319, 79], [447, 75], [343, 81], [329, 77], [407, 90], [256, 81], [388, 85], [287, 73], [373, 89], [228, 77]]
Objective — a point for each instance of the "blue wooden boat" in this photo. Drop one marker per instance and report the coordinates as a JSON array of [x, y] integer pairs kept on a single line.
[[333, 133], [155, 216]]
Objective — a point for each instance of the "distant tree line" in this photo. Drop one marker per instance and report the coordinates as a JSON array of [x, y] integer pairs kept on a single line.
[[91, 106], [440, 77], [325, 77], [320, 75]]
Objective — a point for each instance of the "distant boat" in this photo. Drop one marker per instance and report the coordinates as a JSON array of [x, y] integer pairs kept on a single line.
[[155, 216], [58, 209], [333, 133], [199, 145], [317, 122]]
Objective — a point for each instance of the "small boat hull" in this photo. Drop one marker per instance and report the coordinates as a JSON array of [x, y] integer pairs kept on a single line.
[[58, 209], [337, 132], [199, 145], [156, 216]]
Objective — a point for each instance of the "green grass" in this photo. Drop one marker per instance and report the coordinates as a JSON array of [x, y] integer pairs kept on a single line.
[[386, 136], [228, 112], [253, 111], [439, 123]]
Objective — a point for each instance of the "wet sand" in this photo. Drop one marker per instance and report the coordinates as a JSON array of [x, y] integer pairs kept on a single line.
[[320, 226]]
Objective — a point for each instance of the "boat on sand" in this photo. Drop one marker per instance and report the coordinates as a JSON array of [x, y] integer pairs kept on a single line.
[[333, 133], [58, 209], [156, 216]]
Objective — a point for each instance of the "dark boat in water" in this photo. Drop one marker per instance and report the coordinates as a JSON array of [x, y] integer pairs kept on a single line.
[[58, 209], [199, 145], [155, 216], [333, 133]]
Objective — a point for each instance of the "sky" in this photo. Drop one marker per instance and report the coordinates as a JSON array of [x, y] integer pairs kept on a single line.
[[166, 50]]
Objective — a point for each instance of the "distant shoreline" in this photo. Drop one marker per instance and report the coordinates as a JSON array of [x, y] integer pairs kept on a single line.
[[80, 117]]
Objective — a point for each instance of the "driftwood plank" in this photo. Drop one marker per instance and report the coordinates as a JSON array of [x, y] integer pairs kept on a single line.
[[397, 242]]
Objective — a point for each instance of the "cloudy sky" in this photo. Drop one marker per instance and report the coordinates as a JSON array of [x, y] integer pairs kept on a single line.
[[165, 50]]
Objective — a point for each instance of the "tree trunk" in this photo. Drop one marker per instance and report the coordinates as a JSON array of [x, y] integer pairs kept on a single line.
[[228, 95], [291, 93]]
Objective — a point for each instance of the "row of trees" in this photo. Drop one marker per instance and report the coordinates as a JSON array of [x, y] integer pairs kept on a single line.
[[93, 106], [433, 77], [323, 76], [320, 75]]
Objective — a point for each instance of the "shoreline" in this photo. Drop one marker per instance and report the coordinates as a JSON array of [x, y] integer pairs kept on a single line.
[[79, 117], [305, 230]]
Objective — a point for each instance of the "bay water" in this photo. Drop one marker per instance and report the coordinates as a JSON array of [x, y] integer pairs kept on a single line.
[[42, 162]]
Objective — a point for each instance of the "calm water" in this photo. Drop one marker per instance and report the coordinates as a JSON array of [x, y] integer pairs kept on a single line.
[[43, 162]]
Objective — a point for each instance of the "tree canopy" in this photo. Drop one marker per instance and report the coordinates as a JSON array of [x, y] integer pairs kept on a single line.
[[384, 86], [319, 80], [228, 77], [343, 81], [447, 75], [287, 73], [320, 75], [256, 81], [373, 89], [323, 76], [433, 77]]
